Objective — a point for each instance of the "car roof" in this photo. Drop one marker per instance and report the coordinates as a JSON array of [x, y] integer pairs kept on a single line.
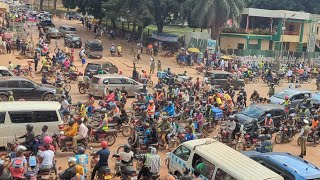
[[289, 161], [109, 75], [6, 78], [29, 105], [295, 91], [93, 41], [3, 68], [267, 107], [67, 26], [99, 62], [218, 72]]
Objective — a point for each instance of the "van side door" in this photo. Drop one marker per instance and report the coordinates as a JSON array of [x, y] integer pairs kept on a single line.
[[4, 133], [179, 158], [19, 120]]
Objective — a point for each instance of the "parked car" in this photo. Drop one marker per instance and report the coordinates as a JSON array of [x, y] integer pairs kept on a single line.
[[259, 112], [289, 166], [67, 30], [94, 67], [99, 84], [26, 89], [295, 96], [71, 15], [94, 48], [4, 71], [45, 24], [73, 41], [53, 33], [221, 77]]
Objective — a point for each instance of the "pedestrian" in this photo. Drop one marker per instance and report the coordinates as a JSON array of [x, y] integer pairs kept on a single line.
[[132, 49], [159, 65], [8, 47], [12, 47], [83, 61], [36, 60], [138, 57], [18, 44], [152, 65], [303, 137]]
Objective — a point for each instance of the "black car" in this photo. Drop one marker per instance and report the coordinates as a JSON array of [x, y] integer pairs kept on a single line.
[[45, 24], [73, 41], [93, 68], [259, 112], [26, 89]]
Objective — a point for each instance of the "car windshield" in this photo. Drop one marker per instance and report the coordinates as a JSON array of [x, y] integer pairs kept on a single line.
[[54, 30], [252, 112], [75, 38], [72, 29], [96, 47], [94, 67], [282, 94]]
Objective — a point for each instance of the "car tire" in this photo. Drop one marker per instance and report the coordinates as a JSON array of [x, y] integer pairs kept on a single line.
[[48, 97], [4, 97]]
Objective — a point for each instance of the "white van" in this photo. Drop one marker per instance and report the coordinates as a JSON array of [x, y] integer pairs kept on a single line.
[[14, 116], [216, 160]]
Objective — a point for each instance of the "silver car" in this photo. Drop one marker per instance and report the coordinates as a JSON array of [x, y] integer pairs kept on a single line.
[[100, 83], [67, 30]]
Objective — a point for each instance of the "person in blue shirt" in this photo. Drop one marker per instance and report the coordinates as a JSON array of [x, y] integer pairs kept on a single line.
[[103, 158], [82, 159], [170, 109], [148, 97], [147, 134], [266, 145], [189, 134]]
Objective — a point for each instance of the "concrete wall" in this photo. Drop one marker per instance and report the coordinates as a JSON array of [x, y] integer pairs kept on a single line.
[[232, 42], [264, 44], [293, 46], [306, 32], [291, 38]]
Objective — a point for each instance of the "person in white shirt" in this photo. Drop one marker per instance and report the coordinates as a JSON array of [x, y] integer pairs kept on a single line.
[[126, 158], [64, 105], [231, 126], [82, 133], [46, 158]]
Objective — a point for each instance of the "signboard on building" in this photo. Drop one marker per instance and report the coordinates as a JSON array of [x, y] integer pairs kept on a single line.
[[211, 45], [165, 37]]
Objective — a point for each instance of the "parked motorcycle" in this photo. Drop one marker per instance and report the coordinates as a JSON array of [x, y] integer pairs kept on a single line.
[[275, 81], [303, 79], [71, 76], [251, 80]]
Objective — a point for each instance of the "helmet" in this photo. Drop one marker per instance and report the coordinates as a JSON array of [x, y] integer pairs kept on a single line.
[[150, 148], [29, 127], [127, 148], [104, 144], [10, 92], [72, 160], [255, 91], [81, 150], [151, 101], [306, 121], [79, 104], [287, 97], [21, 148], [240, 94], [254, 121], [70, 122], [315, 117], [47, 139], [268, 115]]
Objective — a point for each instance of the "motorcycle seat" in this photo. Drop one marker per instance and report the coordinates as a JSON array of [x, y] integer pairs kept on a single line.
[[44, 170], [127, 169], [112, 131]]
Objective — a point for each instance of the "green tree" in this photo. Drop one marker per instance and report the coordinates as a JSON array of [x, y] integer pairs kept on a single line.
[[69, 4], [214, 14]]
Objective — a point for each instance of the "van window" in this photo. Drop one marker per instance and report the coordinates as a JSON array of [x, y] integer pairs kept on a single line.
[[20, 116], [221, 175], [2, 117], [45, 116], [205, 167], [96, 47], [182, 152], [13, 84], [72, 29], [3, 84], [115, 81]]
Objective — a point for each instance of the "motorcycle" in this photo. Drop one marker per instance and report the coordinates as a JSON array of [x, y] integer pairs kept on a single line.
[[65, 145], [110, 136], [104, 172], [310, 137], [140, 165], [127, 172], [47, 173], [83, 87], [113, 52], [275, 81], [283, 135], [250, 80], [71, 77], [303, 79]]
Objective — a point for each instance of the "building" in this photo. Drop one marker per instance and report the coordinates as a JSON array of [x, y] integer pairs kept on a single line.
[[265, 32]]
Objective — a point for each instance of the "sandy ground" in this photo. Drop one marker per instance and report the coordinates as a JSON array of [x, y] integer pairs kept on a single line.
[[125, 64]]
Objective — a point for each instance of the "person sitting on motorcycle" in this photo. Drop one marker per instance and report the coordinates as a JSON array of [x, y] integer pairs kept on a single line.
[[46, 158], [143, 77], [112, 49], [126, 159], [82, 159], [266, 145], [268, 123], [189, 134], [109, 97], [44, 80], [287, 101], [41, 138], [90, 104], [269, 75], [244, 94], [18, 164], [159, 85], [29, 137], [103, 158], [180, 98], [70, 130], [315, 127], [59, 90], [230, 106], [271, 90], [164, 129], [199, 119], [151, 164], [68, 97], [170, 110], [103, 126], [71, 171], [151, 110], [253, 130], [147, 133], [82, 110], [254, 96], [240, 99], [290, 122]]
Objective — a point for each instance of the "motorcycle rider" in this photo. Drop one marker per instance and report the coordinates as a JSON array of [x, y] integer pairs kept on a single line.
[[103, 158], [170, 109], [103, 126], [232, 93], [268, 123], [271, 90], [287, 101], [303, 137], [82, 133], [254, 130], [189, 134], [151, 110], [126, 159], [254, 96], [315, 127], [46, 158], [29, 137], [289, 123], [82, 159], [151, 163], [112, 50], [147, 140], [266, 145], [90, 104], [71, 171], [82, 110], [241, 100], [164, 129], [244, 93], [70, 130]]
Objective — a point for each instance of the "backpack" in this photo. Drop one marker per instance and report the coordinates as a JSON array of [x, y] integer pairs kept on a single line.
[[18, 162]]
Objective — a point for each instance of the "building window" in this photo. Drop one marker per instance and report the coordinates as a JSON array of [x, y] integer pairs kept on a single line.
[[240, 46]]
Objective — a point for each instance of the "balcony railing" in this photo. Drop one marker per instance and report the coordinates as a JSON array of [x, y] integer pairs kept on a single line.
[[251, 31], [292, 33]]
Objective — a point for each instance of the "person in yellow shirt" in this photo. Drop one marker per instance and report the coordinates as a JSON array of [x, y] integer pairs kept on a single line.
[[82, 110], [218, 99], [227, 97], [71, 130]]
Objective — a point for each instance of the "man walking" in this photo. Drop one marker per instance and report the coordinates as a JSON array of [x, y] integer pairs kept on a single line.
[[152, 65], [303, 137], [159, 65], [36, 60]]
